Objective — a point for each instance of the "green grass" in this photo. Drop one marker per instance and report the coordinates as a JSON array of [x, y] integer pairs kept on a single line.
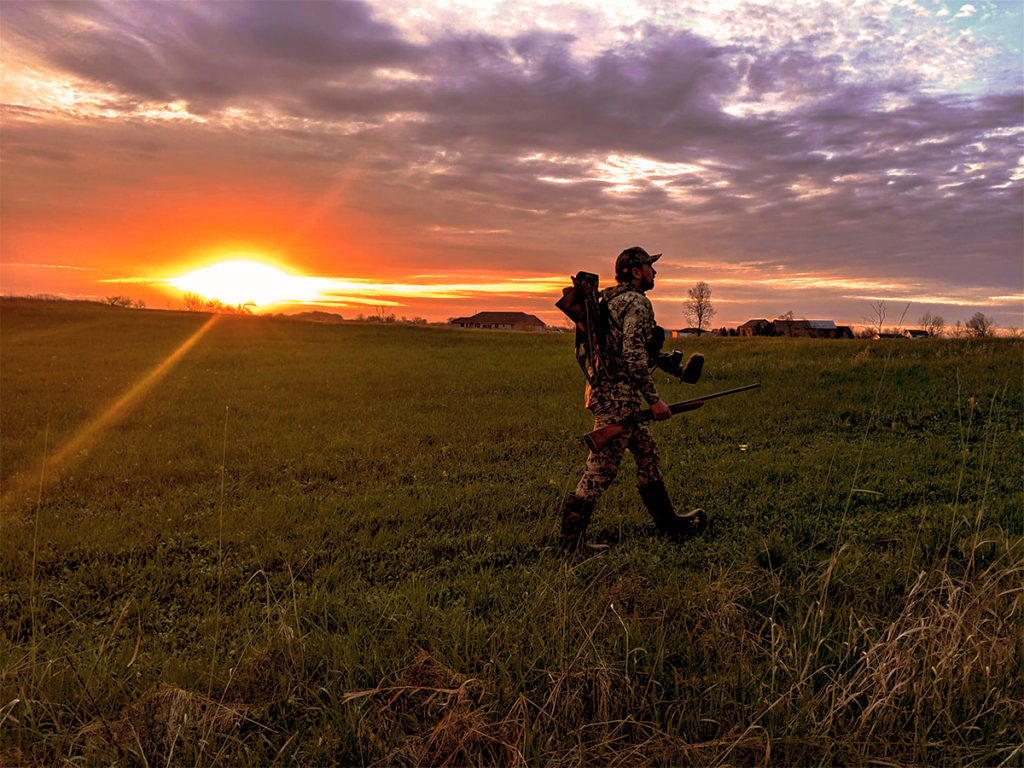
[[334, 545]]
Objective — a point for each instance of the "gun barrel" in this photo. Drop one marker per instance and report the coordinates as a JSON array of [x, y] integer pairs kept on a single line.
[[597, 439], [694, 404]]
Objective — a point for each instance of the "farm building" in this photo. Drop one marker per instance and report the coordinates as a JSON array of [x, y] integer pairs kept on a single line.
[[813, 329], [757, 327], [500, 321]]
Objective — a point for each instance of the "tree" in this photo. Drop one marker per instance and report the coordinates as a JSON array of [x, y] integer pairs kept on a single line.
[[698, 309], [876, 320], [194, 302], [381, 316], [980, 326], [934, 324], [238, 309], [118, 301]]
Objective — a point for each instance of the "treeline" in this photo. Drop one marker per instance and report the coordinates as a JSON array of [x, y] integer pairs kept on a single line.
[[381, 316], [390, 318], [196, 303], [124, 301], [978, 326]]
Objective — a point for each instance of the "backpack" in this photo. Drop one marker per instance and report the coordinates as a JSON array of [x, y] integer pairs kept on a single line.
[[584, 304], [587, 308]]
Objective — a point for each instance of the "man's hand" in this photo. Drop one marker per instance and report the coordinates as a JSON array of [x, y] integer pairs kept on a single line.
[[660, 410]]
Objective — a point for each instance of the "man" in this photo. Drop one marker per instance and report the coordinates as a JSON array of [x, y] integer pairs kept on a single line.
[[614, 396]]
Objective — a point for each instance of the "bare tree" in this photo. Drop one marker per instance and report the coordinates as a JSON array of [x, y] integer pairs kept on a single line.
[[118, 301], [934, 324], [876, 320], [194, 302], [698, 309], [980, 326], [238, 309]]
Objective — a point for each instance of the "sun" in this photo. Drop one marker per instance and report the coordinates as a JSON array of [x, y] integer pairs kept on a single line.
[[243, 281]]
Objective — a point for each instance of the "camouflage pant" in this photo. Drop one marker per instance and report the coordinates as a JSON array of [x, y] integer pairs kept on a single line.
[[604, 466]]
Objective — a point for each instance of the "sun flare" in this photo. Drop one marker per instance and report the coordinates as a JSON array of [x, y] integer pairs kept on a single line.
[[242, 281]]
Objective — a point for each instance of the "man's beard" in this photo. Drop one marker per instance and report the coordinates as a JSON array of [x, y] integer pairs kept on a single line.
[[645, 284]]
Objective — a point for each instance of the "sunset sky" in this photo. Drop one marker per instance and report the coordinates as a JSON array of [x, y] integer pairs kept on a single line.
[[441, 158]]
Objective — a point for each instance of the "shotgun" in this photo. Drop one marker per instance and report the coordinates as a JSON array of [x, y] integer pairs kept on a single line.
[[597, 439]]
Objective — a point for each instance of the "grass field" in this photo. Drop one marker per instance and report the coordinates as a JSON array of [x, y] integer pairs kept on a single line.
[[299, 544]]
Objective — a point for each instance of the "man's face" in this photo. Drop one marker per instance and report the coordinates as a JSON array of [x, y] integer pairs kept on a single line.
[[645, 273]]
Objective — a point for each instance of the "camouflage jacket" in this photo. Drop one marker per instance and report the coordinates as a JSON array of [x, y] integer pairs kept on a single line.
[[628, 375]]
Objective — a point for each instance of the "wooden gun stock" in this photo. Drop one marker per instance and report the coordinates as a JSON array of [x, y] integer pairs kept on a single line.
[[597, 439]]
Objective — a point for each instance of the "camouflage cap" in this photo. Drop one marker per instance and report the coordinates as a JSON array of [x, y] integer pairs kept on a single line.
[[633, 257]]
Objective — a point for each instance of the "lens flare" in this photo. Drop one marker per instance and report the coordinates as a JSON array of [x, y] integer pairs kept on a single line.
[[15, 497]]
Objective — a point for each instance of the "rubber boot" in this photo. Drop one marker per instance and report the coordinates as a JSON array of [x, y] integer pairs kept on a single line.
[[575, 513], [670, 525]]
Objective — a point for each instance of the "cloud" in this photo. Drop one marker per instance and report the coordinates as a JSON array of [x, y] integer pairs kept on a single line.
[[209, 55], [23, 265], [966, 11]]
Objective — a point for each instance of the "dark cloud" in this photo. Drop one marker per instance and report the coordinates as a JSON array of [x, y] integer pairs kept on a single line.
[[209, 54]]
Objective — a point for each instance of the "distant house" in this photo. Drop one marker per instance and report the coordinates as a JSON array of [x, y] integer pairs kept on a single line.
[[684, 332], [757, 327], [500, 321], [813, 329], [807, 329]]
